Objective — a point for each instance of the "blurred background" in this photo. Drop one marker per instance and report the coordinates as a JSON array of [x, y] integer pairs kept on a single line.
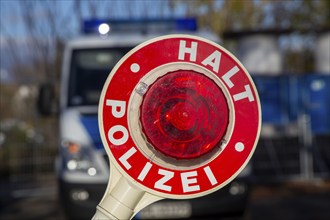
[[284, 45]]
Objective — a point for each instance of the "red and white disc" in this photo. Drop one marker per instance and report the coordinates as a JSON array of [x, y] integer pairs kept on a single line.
[[179, 116]]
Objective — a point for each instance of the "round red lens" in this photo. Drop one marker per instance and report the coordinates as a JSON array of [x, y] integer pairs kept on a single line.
[[184, 114]]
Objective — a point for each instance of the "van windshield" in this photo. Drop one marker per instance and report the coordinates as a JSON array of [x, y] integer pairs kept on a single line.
[[89, 70]]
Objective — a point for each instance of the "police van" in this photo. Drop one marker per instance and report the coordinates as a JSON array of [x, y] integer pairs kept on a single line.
[[82, 165]]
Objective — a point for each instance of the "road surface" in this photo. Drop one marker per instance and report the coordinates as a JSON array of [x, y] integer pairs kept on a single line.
[[294, 201]]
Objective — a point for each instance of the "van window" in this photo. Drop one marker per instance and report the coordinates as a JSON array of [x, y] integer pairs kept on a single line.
[[89, 70]]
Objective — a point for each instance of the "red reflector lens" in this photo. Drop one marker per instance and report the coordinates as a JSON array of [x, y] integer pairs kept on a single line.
[[184, 114]]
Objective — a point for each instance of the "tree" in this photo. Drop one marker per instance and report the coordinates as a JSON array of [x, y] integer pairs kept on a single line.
[[300, 20], [233, 15]]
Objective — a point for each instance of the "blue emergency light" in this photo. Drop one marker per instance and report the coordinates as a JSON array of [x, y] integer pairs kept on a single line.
[[99, 26]]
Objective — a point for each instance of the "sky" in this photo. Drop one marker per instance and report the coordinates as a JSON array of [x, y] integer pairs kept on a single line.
[[69, 26], [11, 17], [13, 26], [12, 20]]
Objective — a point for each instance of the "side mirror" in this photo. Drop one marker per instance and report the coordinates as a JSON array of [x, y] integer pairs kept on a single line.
[[46, 104]]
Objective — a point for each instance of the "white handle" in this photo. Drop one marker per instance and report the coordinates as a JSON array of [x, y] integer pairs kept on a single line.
[[120, 202], [103, 215]]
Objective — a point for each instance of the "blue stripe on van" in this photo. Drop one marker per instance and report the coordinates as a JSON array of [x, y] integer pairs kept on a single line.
[[91, 124]]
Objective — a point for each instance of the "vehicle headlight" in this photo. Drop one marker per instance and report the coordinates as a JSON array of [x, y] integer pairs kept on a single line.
[[78, 158]]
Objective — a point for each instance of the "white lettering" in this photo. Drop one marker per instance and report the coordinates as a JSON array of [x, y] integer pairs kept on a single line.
[[145, 171], [187, 181], [213, 60], [246, 94], [210, 175], [228, 75], [167, 175], [123, 159], [118, 107], [115, 129], [183, 50]]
